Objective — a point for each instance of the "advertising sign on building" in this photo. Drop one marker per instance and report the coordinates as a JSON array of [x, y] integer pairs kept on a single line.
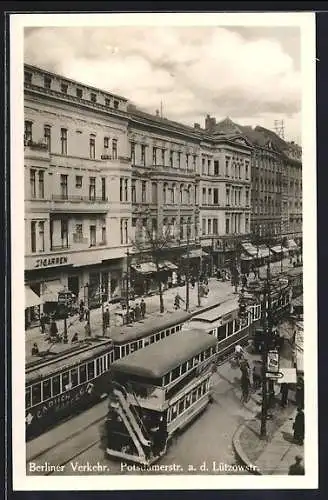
[[273, 361]]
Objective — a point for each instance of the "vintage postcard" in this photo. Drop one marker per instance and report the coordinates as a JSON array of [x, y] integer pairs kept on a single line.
[[163, 187]]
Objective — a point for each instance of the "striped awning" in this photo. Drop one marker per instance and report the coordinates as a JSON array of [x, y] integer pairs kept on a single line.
[[249, 249], [31, 298], [279, 249]]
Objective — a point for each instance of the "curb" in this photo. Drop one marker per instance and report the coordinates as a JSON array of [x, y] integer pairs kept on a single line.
[[241, 454]]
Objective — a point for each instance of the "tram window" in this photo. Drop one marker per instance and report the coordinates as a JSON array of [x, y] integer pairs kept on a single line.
[[208, 353], [98, 367], [91, 370], [27, 397], [230, 328], [237, 325], [140, 344], [146, 341], [56, 385], [194, 396], [152, 339], [65, 381], [158, 337], [176, 373], [181, 406], [133, 346], [127, 350], [201, 356], [46, 389], [36, 394], [172, 330], [74, 377], [221, 332], [184, 368], [83, 373], [174, 411], [166, 379], [188, 401]]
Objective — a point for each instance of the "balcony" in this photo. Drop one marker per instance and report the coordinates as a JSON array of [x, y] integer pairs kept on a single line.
[[36, 150], [59, 248], [76, 203]]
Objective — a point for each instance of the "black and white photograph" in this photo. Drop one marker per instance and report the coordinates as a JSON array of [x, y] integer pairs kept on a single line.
[[163, 251]]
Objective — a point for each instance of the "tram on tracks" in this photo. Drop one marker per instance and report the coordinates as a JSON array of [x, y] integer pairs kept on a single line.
[[155, 392], [62, 383]]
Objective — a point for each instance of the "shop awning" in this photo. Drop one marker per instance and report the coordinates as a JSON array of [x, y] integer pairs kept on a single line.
[[249, 249], [292, 245], [145, 268], [166, 264], [51, 290], [263, 252], [246, 257], [195, 253], [31, 298], [278, 249]]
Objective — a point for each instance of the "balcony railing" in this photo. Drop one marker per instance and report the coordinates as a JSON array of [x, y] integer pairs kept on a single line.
[[78, 199], [43, 146]]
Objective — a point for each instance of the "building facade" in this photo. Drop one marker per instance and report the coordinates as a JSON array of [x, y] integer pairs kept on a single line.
[[76, 167]]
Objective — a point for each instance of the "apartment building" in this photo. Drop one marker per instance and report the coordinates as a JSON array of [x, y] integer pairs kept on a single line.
[[76, 174]]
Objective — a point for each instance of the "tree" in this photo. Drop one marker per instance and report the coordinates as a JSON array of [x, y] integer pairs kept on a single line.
[[149, 240]]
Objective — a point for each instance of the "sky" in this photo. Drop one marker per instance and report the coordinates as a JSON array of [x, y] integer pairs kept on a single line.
[[251, 74]]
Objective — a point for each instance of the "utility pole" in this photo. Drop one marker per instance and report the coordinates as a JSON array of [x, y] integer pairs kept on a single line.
[[198, 278], [267, 338], [187, 271], [102, 304]]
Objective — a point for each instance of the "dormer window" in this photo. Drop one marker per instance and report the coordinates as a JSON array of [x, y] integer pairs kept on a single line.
[[79, 93], [93, 97], [107, 102], [27, 77], [64, 88], [47, 82], [116, 103]]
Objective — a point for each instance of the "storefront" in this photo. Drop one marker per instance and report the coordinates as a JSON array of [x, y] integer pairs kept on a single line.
[[145, 276], [32, 307], [278, 252]]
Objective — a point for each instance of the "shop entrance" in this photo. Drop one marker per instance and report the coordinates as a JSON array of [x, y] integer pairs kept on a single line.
[[73, 284]]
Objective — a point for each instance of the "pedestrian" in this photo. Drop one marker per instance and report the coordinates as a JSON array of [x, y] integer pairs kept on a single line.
[[300, 393], [284, 394], [244, 280], [257, 375], [177, 301], [298, 427], [35, 349], [297, 469], [53, 328], [75, 338], [87, 329], [137, 312], [106, 318], [43, 323], [245, 386], [142, 308], [87, 314]]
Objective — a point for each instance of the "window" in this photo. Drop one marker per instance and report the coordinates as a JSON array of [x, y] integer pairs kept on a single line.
[[227, 226], [210, 196], [187, 160], [124, 231], [79, 93], [143, 192], [46, 389], [78, 181], [92, 236], [27, 77], [215, 196], [246, 171], [103, 235], [41, 184], [121, 189], [107, 102], [27, 132], [74, 377], [33, 183], [165, 193], [154, 156], [247, 198], [103, 188], [203, 226], [126, 195], [47, 82], [63, 140], [208, 167], [171, 158], [163, 157], [33, 236], [133, 191], [64, 232], [204, 196], [64, 88], [114, 149], [106, 142], [215, 226], [173, 194], [93, 97], [36, 394], [63, 186], [203, 166], [143, 154], [227, 196], [209, 226], [154, 192], [83, 373], [179, 159], [92, 188], [116, 104], [221, 332], [194, 159], [227, 167], [79, 233], [91, 370], [133, 153], [92, 147], [216, 167]]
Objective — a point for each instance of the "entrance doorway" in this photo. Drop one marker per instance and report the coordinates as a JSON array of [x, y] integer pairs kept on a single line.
[[73, 285]]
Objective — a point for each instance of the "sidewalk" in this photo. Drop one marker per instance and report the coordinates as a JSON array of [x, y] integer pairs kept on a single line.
[[218, 291]]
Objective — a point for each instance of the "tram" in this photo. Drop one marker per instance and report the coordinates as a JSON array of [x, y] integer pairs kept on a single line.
[[59, 384], [295, 280], [155, 392], [138, 335], [224, 323]]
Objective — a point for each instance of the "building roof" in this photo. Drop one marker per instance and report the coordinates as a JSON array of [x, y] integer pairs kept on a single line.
[[155, 360]]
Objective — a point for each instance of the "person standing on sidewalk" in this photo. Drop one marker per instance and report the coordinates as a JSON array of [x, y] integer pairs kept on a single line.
[[43, 323], [297, 469], [284, 394], [142, 308], [298, 427]]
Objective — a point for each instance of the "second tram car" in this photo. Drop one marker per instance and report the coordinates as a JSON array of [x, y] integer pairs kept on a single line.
[[60, 384], [156, 392]]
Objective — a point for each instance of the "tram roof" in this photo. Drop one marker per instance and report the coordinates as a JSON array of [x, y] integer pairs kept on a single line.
[[217, 312], [135, 331], [157, 359], [44, 367]]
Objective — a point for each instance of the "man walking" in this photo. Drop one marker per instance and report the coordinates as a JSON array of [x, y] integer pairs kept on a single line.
[[142, 308], [297, 469], [298, 427]]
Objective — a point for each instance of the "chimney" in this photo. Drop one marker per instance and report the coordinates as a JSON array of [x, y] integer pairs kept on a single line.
[[209, 123], [197, 125]]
